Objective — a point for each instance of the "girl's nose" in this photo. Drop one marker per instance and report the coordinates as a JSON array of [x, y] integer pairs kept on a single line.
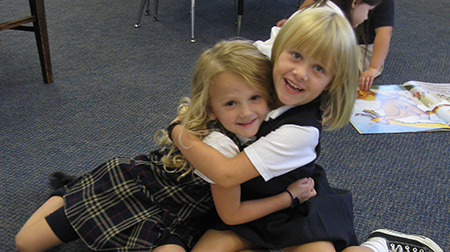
[[301, 72], [245, 111]]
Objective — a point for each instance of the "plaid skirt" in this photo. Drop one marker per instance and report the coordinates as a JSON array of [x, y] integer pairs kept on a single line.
[[130, 204]]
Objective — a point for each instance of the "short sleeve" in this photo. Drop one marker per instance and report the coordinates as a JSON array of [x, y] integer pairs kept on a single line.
[[223, 144], [383, 14], [283, 150]]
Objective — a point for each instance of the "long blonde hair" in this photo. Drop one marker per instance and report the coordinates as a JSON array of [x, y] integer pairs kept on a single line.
[[239, 57], [326, 35]]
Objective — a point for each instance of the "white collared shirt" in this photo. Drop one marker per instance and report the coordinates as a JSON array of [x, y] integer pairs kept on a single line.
[[224, 145], [283, 150]]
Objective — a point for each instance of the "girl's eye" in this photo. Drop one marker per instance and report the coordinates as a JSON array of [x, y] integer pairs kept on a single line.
[[230, 103], [297, 55], [255, 97], [319, 68]]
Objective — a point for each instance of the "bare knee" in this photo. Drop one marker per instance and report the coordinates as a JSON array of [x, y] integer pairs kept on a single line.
[[23, 244], [169, 248], [36, 237], [214, 240], [322, 246], [357, 249]]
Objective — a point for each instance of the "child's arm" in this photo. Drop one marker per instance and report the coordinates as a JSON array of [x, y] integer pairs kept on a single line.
[[233, 212], [380, 52], [226, 172], [294, 150]]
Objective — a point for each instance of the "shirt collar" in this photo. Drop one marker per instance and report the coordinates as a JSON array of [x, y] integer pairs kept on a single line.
[[277, 112], [244, 140]]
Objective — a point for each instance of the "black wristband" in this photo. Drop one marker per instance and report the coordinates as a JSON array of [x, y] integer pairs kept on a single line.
[[170, 128], [295, 201]]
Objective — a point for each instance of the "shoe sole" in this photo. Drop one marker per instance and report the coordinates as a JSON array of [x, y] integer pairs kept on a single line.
[[417, 238]]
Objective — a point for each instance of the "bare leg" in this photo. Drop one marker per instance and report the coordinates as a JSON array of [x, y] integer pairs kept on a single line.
[[323, 246], [36, 235], [221, 241], [317, 246], [357, 249], [169, 248], [254, 250]]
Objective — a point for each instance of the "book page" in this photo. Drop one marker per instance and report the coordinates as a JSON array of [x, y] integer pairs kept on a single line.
[[435, 96], [439, 88], [393, 109]]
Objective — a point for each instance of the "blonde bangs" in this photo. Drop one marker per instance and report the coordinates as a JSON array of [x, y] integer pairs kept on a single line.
[[319, 49], [328, 37], [307, 32]]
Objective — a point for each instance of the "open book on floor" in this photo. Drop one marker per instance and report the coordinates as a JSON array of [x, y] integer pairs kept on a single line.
[[411, 107]]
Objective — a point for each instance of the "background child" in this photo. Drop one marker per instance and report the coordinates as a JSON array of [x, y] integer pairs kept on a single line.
[[357, 11], [151, 202], [375, 42], [315, 71]]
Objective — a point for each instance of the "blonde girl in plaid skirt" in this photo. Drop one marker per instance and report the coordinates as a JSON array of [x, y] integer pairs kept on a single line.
[[153, 202]]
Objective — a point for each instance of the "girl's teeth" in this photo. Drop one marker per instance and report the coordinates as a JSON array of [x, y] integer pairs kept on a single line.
[[293, 86]]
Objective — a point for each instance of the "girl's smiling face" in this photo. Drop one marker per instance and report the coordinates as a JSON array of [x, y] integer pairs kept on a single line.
[[298, 78], [236, 105]]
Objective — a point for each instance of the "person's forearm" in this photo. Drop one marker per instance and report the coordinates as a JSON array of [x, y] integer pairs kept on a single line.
[[234, 212], [220, 169], [380, 47]]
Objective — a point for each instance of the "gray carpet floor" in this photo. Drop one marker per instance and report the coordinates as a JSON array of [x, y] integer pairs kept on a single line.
[[115, 85]]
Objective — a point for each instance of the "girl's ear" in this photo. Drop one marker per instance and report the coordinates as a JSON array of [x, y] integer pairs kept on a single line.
[[211, 114], [355, 3]]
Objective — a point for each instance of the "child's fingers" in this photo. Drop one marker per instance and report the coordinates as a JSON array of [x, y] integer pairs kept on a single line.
[[313, 193], [311, 183]]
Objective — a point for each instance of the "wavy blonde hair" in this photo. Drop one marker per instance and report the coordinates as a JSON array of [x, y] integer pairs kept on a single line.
[[327, 36], [239, 57]]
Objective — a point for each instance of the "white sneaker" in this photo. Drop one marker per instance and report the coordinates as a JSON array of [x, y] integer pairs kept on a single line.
[[400, 242]]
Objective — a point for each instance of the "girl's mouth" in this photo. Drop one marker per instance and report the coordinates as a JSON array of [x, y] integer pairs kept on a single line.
[[247, 124], [293, 88]]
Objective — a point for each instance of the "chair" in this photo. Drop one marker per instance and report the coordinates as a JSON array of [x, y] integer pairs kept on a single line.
[[146, 4], [239, 11], [39, 28]]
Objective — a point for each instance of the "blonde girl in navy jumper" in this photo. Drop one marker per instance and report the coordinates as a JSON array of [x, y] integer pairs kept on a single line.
[[153, 202], [315, 77]]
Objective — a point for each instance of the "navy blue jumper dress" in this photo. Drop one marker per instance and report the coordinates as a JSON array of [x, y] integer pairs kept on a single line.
[[326, 217]]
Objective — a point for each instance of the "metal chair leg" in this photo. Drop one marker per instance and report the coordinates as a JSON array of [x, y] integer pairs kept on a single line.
[[147, 8], [141, 9], [240, 12], [239, 23], [145, 4], [192, 21], [155, 13]]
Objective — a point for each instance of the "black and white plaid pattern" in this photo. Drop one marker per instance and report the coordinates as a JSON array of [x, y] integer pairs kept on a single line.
[[130, 204]]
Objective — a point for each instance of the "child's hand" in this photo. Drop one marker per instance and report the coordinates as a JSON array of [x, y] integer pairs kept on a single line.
[[303, 189], [281, 22], [367, 77]]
